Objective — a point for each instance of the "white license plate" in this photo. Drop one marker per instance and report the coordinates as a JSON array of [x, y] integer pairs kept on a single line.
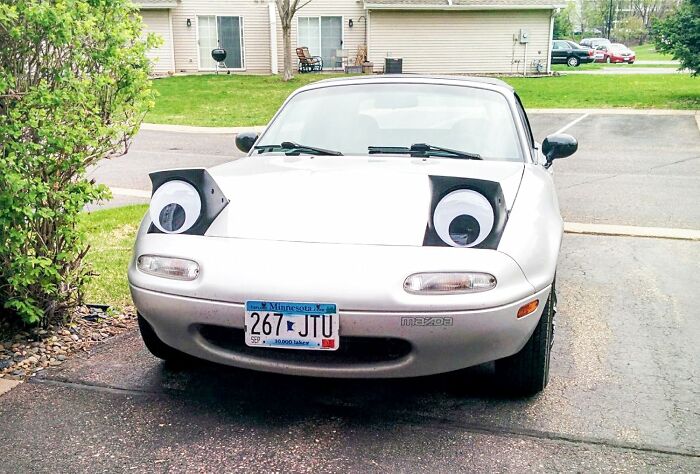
[[285, 325]]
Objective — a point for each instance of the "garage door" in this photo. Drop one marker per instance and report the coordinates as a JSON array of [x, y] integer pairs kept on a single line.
[[458, 42], [158, 21]]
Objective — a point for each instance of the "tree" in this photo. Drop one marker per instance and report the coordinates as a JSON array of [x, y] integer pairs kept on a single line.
[[74, 89], [562, 23], [679, 34], [287, 9], [631, 28]]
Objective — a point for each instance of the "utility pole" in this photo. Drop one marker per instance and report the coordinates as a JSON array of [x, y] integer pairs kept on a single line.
[[610, 18]]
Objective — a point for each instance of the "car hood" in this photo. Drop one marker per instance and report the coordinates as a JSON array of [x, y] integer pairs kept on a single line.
[[350, 200]]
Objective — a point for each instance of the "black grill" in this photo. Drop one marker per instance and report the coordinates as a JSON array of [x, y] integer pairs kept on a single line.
[[357, 350]]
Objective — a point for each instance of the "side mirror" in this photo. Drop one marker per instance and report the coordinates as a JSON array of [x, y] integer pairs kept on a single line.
[[558, 146], [246, 140]]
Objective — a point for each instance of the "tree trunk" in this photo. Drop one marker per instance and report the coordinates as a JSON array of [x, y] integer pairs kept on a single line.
[[287, 74]]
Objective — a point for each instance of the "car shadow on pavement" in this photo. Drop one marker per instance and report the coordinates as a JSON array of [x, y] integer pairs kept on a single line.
[[283, 399]]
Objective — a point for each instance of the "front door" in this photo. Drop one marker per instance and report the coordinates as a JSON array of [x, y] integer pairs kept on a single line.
[[323, 35], [220, 32]]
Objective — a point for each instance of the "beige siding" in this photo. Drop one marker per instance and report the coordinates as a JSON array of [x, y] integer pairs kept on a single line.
[[348, 9], [256, 32], [158, 22], [460, 41]]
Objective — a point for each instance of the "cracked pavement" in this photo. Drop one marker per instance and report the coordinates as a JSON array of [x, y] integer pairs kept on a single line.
[[624, 388]]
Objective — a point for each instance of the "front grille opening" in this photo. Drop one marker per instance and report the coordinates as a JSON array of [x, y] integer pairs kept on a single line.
[[352, 350]]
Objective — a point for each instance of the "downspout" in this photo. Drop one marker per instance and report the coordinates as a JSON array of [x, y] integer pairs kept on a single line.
[[551, 39], [274, 66]]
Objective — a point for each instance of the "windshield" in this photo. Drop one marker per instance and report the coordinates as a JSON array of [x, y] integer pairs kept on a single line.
[[350, 119]]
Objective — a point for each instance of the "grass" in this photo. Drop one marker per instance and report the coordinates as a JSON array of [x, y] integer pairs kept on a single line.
[[111, 234], [640, 91], [246, 100], [223, 100], [597, 66], [647, 52]]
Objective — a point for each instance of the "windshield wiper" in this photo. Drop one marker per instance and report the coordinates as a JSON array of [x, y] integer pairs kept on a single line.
[[422, 150], [291, 148]]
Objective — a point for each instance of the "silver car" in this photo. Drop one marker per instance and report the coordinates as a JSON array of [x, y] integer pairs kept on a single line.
[[379, 227]]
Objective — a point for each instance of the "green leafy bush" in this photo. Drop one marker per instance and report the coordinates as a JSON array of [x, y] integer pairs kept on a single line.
[[74, 89], [679, 34]]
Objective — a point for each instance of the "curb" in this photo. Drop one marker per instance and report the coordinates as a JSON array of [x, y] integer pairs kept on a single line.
[[7, 385], [259, 128], [204, 130], [631, 231], [615, 111]]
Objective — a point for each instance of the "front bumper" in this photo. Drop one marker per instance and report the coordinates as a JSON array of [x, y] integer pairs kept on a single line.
[[205, 317], [436, 342]]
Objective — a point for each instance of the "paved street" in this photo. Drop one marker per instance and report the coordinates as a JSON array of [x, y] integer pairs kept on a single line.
[[623, 395]]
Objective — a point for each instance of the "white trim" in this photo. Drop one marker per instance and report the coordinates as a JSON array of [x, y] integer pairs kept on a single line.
[[242, 42], [274, 60], [342, 34], [368, 37], [157, 6], [550, 42], [403, 6], [172, 40]]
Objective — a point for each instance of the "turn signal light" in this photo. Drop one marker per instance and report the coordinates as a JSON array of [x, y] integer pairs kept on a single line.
[[528, 308], [168, 267], [448, 283]]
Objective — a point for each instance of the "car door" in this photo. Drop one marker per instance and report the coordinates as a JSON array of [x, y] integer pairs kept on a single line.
[[558, 52]]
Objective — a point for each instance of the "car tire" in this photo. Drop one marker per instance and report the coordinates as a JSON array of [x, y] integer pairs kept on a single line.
[[526, 373], [155, 346], [631, 62], [573, 61]]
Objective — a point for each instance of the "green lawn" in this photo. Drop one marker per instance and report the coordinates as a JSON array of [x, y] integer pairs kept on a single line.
[[111, 235], [246, 100], [641, 91], [596, 66], [222, 100], [647, 52]]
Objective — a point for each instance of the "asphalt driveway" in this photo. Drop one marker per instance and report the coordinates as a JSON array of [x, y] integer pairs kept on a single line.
[[623, 395]]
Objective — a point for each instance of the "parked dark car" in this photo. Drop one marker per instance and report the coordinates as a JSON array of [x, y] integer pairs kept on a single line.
[[594, 43], [570, 53]]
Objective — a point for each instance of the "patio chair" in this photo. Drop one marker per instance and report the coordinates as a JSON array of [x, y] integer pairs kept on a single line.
[[308, 63]]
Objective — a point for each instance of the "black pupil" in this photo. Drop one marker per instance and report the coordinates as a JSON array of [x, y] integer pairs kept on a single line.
[[464, 229], [172, 217]]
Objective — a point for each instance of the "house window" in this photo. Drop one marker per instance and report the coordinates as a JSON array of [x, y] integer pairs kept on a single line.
[[323, 35], [220, 32]]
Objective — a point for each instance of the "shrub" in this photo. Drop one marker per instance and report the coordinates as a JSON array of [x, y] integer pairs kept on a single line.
[[679, 34], [74, 89]]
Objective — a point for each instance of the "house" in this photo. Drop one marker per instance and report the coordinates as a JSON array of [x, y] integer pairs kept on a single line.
[[431, 36]]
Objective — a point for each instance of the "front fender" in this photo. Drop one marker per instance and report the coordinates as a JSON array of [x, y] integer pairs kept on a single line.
[[535, 228]]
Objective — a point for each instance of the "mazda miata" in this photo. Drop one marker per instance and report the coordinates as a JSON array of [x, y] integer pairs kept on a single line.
[[390, 226]]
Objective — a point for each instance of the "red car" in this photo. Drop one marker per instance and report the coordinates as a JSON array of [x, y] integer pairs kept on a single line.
[[615, 53]]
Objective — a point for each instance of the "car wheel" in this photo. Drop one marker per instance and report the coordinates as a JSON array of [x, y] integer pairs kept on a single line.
[[631, 62], [154, 345], [526, 373], [607, 60], [572, 61]]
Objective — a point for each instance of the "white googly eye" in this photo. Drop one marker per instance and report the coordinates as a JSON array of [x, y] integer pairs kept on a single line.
[[463, 218], [175, 207]]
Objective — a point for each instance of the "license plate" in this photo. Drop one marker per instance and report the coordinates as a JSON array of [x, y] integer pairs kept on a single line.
[[284, 325]]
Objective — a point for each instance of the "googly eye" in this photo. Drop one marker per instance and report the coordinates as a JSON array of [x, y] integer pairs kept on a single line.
[[463, 218], [175, 207]]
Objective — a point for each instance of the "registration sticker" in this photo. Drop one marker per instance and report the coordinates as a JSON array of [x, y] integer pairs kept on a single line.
[[292, 325]]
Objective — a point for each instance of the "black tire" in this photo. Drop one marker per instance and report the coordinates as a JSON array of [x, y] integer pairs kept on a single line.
[[155, 346], [607, 60], [631, 62], [572, 61], [526, 373]]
